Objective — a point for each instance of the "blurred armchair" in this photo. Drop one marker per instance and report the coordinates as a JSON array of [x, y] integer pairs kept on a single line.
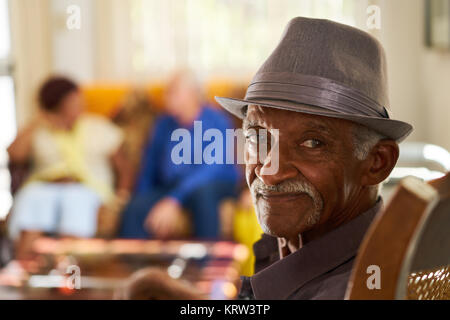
[[408, 244]]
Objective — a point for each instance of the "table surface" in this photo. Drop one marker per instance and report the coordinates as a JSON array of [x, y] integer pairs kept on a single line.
[[103, 266]]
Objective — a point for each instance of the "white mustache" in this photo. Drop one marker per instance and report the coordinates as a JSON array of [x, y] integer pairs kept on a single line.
[[258, 186], [290, 186]]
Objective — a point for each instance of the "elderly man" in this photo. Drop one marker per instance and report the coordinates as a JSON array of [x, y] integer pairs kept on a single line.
[[324, 90]]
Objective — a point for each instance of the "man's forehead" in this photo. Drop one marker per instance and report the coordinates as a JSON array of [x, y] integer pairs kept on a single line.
[[266, 116]]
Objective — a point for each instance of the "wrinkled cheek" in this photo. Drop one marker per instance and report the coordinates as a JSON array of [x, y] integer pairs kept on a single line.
[[250, 154], [348, 189], [327, 185], [339, 190], [265, 220], [250, 174], [249, 168]]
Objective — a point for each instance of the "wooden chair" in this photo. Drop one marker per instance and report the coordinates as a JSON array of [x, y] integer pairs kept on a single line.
[[410, 243]]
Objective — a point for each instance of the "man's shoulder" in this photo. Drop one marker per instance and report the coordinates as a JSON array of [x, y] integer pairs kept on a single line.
[[331, 285]]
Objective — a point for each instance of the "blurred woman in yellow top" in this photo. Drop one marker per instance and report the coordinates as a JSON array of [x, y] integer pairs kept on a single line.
[[73, 159]]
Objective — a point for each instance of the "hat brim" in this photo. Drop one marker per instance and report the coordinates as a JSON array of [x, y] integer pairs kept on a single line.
[[393, 129]]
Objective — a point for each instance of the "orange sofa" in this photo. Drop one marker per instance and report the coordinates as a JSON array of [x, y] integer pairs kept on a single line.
[[106, 98]]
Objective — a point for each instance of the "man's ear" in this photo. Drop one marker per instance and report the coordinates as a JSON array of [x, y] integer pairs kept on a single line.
[[380, 162]]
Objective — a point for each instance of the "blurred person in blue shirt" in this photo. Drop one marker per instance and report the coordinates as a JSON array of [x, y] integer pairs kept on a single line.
[[164, 188]]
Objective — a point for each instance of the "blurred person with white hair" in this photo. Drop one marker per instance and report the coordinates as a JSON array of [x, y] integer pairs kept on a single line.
[[165, 191]]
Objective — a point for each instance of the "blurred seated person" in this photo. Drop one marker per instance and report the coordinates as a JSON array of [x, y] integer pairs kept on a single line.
[[165, 190], [72, 157]]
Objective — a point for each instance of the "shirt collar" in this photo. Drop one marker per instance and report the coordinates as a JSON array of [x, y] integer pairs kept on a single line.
[[285, 248], [282, 278]]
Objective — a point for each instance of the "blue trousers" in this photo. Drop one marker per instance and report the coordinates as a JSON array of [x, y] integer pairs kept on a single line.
[[202, 205], [61, 208]]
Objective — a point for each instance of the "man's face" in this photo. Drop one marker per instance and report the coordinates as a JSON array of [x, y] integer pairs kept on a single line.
[[318, 175]]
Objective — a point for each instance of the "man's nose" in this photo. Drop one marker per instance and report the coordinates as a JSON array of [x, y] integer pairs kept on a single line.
[[286, 169]]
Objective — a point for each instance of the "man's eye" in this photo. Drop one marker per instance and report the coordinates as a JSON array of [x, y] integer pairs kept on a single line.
[[312, 143]]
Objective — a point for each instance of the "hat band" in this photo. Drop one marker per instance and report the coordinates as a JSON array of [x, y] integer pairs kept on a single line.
[[314, 90]]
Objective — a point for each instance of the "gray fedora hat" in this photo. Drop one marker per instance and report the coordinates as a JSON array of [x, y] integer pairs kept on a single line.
[[325, 68]]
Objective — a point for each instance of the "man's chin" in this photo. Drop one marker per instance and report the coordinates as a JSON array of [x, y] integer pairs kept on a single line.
[[281, 231], [279, 226]]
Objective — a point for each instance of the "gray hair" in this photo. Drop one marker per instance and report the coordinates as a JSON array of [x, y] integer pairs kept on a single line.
[[364, 139]]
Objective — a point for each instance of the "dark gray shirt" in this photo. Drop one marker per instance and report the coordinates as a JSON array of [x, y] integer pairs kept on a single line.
[[319, 270]]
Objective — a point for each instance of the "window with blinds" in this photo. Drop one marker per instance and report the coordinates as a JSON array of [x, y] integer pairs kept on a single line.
[[219, 37]]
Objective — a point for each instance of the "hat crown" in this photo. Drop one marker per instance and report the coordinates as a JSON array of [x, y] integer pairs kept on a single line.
[[333, 51], [326, 69]]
